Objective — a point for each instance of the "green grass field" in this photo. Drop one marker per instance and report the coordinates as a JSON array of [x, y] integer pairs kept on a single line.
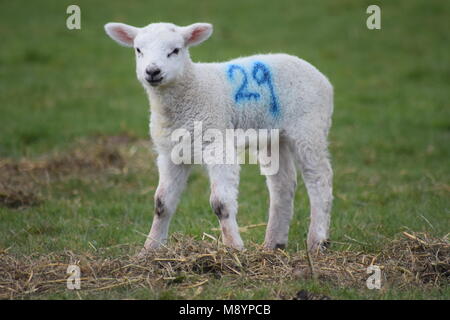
[[389, 142]]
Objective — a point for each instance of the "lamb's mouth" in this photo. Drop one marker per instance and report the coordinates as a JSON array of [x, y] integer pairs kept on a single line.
[[154, 82]]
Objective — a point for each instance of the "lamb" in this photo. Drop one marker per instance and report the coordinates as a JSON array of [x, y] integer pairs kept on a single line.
[[273, 91]]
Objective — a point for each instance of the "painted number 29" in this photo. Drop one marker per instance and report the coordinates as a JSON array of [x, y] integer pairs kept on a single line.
[[261, 75]]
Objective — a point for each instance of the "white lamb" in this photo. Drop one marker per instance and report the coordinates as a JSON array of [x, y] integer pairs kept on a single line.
[[262, 91]]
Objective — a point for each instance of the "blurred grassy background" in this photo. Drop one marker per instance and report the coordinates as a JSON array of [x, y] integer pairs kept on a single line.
[[389, 141]]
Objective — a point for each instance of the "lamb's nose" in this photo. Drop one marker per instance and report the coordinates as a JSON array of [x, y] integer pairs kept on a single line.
[[153, 72]]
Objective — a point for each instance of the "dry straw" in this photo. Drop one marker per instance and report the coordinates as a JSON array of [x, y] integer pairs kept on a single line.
[[413, 259]]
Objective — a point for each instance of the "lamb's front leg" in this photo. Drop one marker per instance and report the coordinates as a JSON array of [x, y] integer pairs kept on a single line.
[[224, 191], [172, 181]]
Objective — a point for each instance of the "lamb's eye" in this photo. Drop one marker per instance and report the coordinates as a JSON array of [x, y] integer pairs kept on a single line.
[[139, 51], [175, 51]]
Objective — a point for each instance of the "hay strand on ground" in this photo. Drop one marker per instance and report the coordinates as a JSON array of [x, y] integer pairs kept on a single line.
[[412, 259]]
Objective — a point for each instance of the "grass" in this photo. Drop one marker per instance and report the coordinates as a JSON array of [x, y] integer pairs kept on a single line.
[[60, 90]]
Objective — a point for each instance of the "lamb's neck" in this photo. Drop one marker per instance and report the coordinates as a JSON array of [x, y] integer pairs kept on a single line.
[[171, 98]]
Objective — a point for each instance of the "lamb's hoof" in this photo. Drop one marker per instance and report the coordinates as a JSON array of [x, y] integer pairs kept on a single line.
[[274, 247], [235, 247], [316, 247], [144, 253], [234, 244]]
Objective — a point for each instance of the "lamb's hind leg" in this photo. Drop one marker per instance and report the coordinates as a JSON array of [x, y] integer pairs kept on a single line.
[[282, 186], [224, 191], [317, 174]]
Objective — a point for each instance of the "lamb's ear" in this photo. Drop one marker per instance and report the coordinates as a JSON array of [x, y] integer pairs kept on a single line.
[[121, 33], [196, 33]]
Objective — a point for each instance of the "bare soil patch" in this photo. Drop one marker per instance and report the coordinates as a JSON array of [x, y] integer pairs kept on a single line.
[[22, 181]]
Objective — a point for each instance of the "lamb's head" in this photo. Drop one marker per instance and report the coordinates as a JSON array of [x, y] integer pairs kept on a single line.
[[161, 48]]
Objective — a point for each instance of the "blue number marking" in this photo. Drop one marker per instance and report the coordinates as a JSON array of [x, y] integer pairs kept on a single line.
[[242, 92], [262, 76], [266, 78]]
